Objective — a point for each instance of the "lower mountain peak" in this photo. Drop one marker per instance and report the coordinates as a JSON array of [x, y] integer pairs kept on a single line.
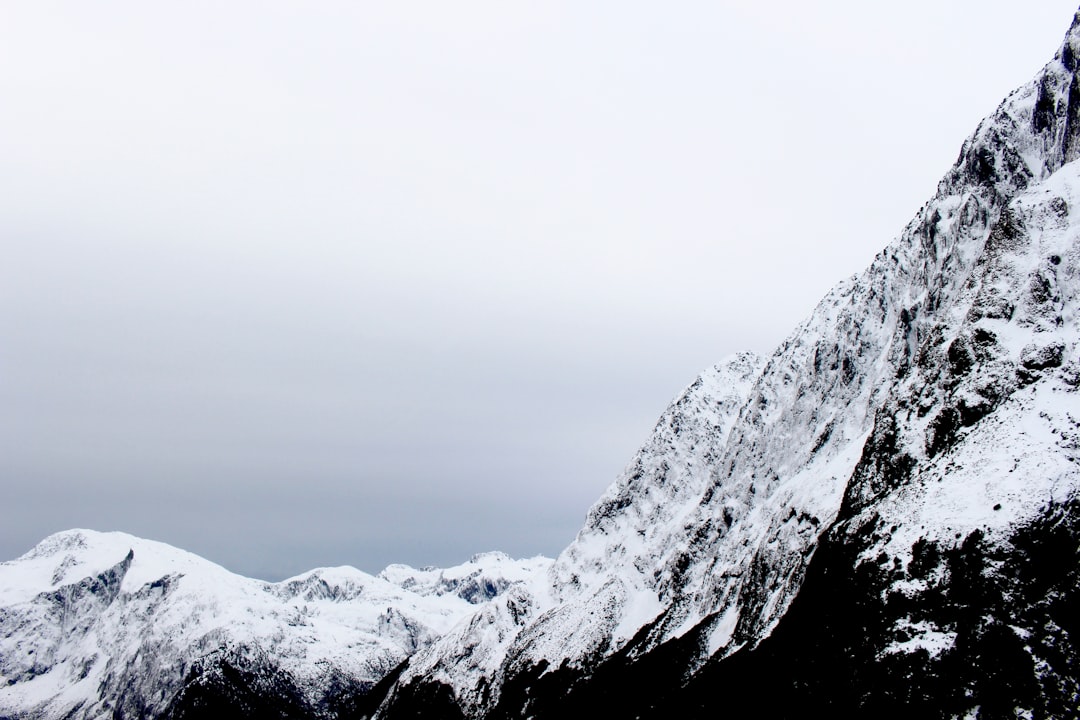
[[110, 625]]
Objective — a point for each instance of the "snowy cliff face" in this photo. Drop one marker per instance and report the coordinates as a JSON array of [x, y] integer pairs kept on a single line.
[[925, 399], [949, 586], [631, 524], [105, 624], [965, 511]]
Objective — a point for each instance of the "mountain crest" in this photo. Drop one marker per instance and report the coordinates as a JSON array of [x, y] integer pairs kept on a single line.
[[891, 371]]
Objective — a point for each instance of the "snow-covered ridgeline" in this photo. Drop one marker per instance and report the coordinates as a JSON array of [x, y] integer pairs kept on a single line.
[[984, 429], [800, 433], [655, 490], [802, 430], [94, 623], [727, 541], [482, 578]]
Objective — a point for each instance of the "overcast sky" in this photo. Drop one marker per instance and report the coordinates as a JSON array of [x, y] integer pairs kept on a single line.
[[299, 284]]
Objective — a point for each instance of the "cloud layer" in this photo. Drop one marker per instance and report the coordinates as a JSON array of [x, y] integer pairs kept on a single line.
[[358, 283]]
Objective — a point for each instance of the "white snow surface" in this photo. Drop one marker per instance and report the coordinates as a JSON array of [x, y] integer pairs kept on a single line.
[[90, 620]]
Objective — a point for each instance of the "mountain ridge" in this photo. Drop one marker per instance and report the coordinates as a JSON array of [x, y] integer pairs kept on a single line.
[[95, 624], [817, 432]]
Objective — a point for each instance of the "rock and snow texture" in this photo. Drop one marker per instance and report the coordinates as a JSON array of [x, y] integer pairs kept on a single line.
[[965, 512], [982, 426], [935, 390], [632, 523], [623, 569], [102, 624], [482, 578], [949, 586]]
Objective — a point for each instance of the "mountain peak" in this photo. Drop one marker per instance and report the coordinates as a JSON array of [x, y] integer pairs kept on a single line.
[[931, 356], [1070, 49]]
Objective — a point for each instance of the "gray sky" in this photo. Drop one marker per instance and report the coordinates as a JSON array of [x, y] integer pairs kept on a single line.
[[302, 284]]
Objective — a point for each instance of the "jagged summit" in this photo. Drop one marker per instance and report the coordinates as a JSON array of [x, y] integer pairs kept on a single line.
[[483, 577], [938, 341]]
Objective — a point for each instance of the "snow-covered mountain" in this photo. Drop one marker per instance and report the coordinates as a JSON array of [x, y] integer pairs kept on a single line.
[[927, 407], [482, 578], [591, 598], [880, 520], [109, 625]]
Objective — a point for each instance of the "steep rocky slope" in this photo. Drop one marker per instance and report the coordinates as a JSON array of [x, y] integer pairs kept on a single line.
[[926, 403], [631, 523], [949, 583]]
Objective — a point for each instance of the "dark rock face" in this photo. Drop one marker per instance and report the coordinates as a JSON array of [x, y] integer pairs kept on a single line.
[[1008, 616], [1011, 613], [219, 686], [246, 684]]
